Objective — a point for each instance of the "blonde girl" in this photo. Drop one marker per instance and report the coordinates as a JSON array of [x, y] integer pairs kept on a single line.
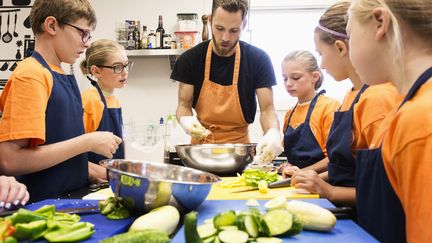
[[107, 67], [307, 125], [391, 40]]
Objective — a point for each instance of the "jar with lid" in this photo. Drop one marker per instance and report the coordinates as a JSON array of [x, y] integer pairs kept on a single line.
[[167, 41]]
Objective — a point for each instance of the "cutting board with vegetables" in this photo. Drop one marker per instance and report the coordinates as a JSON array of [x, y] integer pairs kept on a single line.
[[104, 227], [344, 230], [219, 192]]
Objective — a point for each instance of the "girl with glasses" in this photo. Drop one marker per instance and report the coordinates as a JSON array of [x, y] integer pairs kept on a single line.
[[107, 67]]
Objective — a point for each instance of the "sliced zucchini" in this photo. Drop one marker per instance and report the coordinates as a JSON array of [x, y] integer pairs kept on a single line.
[[268, 240], [206, 230], [229, 227], [278, 221], [210, 239], [251, 227], [233, 236], [224, 219], [208, 221]]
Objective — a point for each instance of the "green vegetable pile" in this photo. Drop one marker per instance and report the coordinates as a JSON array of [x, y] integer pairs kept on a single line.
[[246, 226], [46, 223], [253, 177], [114, 208]]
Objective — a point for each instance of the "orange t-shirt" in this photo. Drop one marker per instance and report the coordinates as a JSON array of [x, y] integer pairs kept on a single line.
[[407, 150], [320, 121], [374, 105], [24, 101], [93, 108]]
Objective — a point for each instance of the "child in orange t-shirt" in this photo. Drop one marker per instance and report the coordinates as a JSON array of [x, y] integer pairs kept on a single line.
[[306, 126], [391, 40], [42, 137], [356, 121], [107, 67]]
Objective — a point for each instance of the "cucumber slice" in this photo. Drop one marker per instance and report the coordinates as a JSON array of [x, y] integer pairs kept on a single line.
[[277, 202], [278, 221], [229, 227], [224, 219], [268, 240], [210, 239], [206, 230], [233, 236], [251, 227], [208, 221]]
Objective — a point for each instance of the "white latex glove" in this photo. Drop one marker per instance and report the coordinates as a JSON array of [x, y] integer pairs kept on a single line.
[[269, 147], [193, 127]]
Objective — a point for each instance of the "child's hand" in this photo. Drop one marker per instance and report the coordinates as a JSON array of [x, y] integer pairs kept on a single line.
[[97, 173], [12, 192], [309, 180], [288, 169], [104, 143]]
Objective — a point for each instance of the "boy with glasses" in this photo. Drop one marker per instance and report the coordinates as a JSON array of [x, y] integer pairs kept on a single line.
[[42, 136], [107, 67]]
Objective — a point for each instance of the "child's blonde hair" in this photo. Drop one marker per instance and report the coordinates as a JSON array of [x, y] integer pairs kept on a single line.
[[97, 54], [334, 19], [65, 11], [413, 14], [309, 62]]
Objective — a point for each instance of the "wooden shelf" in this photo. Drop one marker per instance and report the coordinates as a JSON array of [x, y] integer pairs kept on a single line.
[[155, 52]]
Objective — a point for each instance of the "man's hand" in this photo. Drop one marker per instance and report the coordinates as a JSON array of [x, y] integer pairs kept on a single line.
[[193, 127], [269, 147]]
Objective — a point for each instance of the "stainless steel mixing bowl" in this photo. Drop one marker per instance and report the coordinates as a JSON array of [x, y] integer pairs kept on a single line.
[[148, 185], [220, 159]]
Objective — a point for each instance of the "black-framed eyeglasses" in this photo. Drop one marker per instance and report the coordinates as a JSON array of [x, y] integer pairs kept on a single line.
[[85, 34], [118, 68]]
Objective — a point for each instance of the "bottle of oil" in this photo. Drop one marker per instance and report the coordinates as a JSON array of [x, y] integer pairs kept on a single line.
[[160, 31], [144, 38], [151, 40]]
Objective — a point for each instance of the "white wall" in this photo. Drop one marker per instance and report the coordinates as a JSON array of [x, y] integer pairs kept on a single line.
[[150, 94]]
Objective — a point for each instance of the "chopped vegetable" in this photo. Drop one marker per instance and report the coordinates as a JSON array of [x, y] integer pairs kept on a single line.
[[233, 235], [312, 216], [278, 221], [277, 202], [165, 218], [224, 219], [190, 227], [114, 208]]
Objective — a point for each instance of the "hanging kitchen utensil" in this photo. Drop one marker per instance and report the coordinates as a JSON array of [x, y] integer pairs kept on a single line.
[[18, 54], [4, 67], [26, 22], [15, 34], [7, 37], [21, 2], [12, 68]]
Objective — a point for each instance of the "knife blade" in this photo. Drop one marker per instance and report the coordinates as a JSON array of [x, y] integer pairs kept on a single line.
[[276, 184]]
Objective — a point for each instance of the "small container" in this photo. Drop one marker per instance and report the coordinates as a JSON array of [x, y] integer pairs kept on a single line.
[[186, 39], [187, 21]]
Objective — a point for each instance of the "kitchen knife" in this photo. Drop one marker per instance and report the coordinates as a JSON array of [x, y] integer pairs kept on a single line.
[[72, 210], [276, 184]]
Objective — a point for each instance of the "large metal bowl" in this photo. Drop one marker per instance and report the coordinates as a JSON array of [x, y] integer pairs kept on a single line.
[[148, 185], [220, 159]]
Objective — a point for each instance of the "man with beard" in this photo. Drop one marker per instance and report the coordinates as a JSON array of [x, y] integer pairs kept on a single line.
[[219, 79]]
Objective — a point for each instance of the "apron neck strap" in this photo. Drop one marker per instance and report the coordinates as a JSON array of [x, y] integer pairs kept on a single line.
[[424, 77]]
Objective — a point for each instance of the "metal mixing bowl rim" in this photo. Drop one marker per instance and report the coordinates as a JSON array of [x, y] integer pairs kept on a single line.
[[104, 164]]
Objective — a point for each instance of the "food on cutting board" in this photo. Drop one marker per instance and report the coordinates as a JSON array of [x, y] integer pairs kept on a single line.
[[254, 178], [282, 218], [165, 218], [199, 132], [46, 223], [146, 236], [114, 208]]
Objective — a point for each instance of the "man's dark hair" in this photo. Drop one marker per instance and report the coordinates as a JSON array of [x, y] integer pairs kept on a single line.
[[232, 6]]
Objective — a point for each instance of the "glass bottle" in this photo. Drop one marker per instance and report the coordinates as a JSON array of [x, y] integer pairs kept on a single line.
[[160, 31], [151, 40]]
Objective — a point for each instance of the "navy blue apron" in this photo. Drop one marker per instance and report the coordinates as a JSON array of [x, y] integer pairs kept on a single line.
[[379, 209], [112, 122], [300, 144], [341, 166], [63, 121]]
